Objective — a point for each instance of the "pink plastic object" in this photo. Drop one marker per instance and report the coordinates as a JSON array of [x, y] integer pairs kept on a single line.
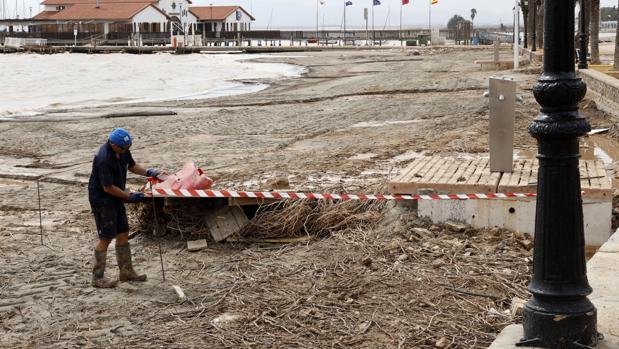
[[190, 177]]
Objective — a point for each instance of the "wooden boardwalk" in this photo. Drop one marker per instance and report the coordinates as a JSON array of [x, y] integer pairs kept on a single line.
[[472, 175]]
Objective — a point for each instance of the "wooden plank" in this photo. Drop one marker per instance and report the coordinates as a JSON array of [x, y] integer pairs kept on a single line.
[[464, 165], [435, 178], [197, 245], [410, 169], [584, 175], [433, 163], [436, 167], [469, 171], [451, 170], [411, 172], [478, 172], [226, 221]]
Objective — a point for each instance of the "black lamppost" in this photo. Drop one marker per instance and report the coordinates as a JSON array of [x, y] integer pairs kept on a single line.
[[536, 3], [559, 314], [584, 34], [524, 5]]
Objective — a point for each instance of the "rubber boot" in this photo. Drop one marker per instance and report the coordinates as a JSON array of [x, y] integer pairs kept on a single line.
[[123, 256], [98, 280]]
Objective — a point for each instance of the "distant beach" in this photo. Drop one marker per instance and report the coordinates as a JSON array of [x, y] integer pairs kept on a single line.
[[35, 84]]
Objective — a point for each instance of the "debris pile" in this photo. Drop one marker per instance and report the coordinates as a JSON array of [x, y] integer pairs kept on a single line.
[[401, 283]]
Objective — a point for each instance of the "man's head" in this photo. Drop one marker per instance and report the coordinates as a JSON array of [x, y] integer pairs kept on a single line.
[[120, 140]]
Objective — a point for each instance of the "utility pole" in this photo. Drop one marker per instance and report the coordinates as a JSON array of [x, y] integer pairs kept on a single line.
[[559, 314]]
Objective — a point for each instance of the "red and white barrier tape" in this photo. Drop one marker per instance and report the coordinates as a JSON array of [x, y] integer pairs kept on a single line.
[[279, 195]]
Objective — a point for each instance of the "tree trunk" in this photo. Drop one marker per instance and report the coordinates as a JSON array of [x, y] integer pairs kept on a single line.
[[595, 31], [540, 25], [530, 23]]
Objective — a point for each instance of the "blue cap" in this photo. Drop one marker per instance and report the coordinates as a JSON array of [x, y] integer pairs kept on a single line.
[[121, 137]]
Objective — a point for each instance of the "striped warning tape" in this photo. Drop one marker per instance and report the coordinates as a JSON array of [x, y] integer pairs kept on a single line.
[[280, 195]]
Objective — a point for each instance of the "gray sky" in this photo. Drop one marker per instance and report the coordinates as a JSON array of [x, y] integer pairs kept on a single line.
[[302, 13]]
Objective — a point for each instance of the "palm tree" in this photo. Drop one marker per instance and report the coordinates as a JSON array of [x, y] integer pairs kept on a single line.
[[595, 31], [473, 14]]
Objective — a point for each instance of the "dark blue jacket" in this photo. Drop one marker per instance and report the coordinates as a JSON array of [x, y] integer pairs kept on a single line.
[[108, 168]]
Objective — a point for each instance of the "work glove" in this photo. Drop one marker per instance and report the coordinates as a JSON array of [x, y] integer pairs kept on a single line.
[[136, 197], [152, 173]]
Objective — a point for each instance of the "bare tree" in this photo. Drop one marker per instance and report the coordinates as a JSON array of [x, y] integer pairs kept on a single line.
[[595, 31]]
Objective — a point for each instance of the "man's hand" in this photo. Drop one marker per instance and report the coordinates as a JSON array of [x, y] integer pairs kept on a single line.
[[136, 197], [152, 173]]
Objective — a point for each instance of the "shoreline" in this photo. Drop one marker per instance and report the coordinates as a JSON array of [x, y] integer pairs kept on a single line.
[[259, 76]]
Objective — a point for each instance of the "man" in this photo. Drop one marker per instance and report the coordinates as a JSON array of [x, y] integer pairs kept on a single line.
[[106, 192]]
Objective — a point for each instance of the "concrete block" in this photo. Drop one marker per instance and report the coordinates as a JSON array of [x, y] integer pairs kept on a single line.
[[517, 215]]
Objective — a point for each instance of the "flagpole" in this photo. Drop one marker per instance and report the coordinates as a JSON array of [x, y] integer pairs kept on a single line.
[[373, 32], [401, 7], [430, 21], [317, 30]]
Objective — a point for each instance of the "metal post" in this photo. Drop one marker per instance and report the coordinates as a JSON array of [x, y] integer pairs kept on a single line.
[[535, 4], [344, 36], [317, 30], [525, 13], [373, 31], [430, 21], [559, 314], [400, 34], [584, 33], [40, 214]]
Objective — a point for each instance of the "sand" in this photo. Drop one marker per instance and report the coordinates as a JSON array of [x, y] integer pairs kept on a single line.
[[353, 121]]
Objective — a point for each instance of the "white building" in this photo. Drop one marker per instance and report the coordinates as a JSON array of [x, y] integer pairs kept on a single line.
[[219, 19], [117, 18]]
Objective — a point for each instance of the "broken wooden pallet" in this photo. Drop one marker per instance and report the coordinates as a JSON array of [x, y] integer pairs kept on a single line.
[[225, 222]]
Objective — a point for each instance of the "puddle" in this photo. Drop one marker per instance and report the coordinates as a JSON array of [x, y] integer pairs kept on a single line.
[[593, 147], [601, 147]]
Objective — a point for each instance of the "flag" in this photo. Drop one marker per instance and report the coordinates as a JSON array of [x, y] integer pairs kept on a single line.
[[406, 2], [434, 2], [348, 3], [376, 2]]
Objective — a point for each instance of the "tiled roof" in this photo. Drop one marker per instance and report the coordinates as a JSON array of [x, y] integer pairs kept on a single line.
[[216, 13], [105, 11], [44, 15], [73, 2]]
